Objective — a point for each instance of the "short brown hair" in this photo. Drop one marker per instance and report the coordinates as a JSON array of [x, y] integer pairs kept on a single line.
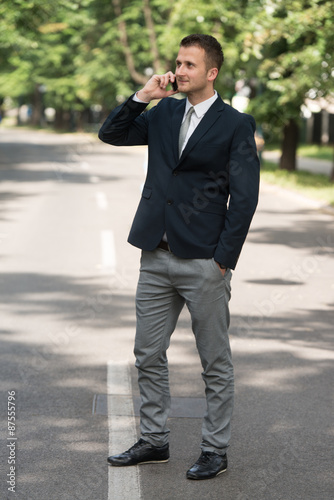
[[213, 50]]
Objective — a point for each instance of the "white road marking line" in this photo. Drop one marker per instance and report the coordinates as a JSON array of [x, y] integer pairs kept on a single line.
[[108, 251], [101, 200], [123, 482]]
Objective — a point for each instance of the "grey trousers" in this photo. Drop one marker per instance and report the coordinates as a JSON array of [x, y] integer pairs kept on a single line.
[[166, 283]]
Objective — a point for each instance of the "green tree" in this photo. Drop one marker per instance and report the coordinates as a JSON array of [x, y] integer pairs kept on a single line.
[[39, 47], [19, 42], [86, 52], [291, 45], [144, 36]]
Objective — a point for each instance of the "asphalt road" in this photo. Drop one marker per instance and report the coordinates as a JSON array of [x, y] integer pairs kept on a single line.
[[67, 286]]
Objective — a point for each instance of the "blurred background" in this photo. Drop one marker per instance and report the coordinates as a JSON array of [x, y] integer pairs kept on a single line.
[[64, 64], [68, 277]]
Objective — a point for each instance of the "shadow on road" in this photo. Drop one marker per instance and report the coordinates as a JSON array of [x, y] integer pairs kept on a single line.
[[281, 417], [282, 444]]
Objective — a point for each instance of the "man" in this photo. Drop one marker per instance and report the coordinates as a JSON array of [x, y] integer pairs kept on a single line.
[[190, 241]]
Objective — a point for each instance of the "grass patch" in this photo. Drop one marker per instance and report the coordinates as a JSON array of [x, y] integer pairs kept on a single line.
[[315, 186], [308, 151], [315, 151]]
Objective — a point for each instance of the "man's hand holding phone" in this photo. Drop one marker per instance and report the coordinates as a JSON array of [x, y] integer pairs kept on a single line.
[[156, 86]]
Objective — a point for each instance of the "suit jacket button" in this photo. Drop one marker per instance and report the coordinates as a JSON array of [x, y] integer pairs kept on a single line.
[[175, 173], [170, 202]]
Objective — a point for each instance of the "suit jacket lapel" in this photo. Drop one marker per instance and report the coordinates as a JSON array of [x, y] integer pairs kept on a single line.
[[210, 117]]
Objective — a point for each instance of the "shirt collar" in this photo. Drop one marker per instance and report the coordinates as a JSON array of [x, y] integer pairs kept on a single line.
[[202, 107]]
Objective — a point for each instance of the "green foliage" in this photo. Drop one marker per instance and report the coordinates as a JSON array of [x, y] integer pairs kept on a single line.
[[88, 52], [291, 47], [316, 151], [316, 186]]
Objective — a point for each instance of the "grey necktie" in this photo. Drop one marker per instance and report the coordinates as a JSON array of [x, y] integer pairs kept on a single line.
[[184, 128]]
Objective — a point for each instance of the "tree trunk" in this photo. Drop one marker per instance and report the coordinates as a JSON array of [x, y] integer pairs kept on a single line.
[[151, 33], [332, 172], [82, 119], [37, 107], [137, 77], [62, 119], [288, 159], [59, 119]]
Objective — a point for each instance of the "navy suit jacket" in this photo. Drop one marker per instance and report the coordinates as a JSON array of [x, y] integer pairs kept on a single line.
[[204, 200]]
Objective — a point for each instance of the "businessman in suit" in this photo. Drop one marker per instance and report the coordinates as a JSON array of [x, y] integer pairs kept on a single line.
[[197, 203]]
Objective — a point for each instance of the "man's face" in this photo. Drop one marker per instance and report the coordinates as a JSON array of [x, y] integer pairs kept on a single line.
[[191, 71]]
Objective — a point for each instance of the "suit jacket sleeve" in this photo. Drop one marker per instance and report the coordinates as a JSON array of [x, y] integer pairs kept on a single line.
[[244, 169], [126, 126]]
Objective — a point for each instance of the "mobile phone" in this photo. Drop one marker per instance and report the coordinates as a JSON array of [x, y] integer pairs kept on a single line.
[[174, 85]]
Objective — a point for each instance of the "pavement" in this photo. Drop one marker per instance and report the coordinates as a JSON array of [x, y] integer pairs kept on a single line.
[[67, 286]]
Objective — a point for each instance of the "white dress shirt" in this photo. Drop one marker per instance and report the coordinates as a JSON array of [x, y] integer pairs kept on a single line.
[[200, 110]]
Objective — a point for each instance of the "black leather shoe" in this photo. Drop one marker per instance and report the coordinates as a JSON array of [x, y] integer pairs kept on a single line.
[[207, 466], [141, 453]]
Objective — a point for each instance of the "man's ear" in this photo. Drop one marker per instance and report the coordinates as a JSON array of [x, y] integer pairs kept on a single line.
[[212, 74]]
